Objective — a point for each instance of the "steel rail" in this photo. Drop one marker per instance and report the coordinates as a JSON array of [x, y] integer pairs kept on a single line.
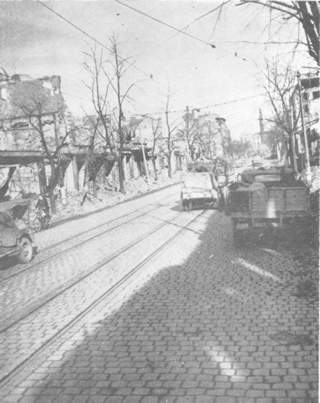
[[12, 320], [31, 266], [11, 373]]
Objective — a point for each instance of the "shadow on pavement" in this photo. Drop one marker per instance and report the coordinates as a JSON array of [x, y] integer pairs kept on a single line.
[[10, 262], [224, 323], [198, 206], [7, 262]]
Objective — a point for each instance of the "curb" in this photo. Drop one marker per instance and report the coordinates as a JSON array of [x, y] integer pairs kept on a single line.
[[83, 215]]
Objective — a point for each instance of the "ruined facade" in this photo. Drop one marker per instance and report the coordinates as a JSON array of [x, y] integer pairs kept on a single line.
[[22, 100]]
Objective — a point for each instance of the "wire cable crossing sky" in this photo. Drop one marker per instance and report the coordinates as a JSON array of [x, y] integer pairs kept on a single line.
[[198, 52]]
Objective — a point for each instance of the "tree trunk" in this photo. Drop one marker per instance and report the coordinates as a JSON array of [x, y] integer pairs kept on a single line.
[[154, 168], [42, 177], [94, 187], [169, 166], [121, 175], [52, 200], [278, 151], [5, 187], [75, 171]]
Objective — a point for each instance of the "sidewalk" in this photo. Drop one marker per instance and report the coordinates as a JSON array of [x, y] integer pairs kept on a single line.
[[107, 199], [86, 220]]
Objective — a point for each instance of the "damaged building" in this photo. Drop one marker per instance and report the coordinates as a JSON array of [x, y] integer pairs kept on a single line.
[[28, 106]]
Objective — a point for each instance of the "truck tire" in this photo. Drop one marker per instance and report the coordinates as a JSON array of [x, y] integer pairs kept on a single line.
[[26, 250]]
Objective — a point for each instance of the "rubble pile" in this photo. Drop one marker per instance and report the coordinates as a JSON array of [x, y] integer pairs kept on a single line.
[[78, 203]]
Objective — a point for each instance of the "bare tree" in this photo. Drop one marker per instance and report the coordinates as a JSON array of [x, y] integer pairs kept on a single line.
[[110, 126], [91, 168], [280, 84], [42, 109], [170, 137], [156, 134], [206, 140], [5, 186], [307, 13], [99, 90], [191, 133], [119, 67], [99, 126]]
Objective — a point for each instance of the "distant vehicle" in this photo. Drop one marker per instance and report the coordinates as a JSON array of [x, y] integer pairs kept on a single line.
[[15, 237], [198, 190]]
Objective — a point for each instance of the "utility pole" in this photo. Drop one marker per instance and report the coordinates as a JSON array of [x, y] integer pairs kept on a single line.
[[305, 138], [261, 130], [293, 140], [120, 118], [187, 131]]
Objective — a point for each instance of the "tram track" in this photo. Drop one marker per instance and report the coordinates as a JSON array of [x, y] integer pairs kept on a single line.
[[56, 292], [87, 238], [113, 289]]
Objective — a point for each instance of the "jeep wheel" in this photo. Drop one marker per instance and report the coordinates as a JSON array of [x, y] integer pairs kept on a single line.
[[26, 250]]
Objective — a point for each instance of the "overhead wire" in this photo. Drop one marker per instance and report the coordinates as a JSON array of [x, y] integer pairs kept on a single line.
[[74, 25], [88, 35], [217, 20], [200, 17], [231, 101], [91, 37], [81, 30], [260, 43], [155, 19], [178, 30]]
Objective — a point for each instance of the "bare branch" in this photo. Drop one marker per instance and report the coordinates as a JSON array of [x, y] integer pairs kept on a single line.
[[306, 12]]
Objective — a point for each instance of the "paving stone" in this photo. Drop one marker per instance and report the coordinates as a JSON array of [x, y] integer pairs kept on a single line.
[[159, 391], [255, 393], [12, 398], [140, 391], [225, 399], [114, 399], [297, 393], [81, 399], [97, 399], [195, 391], [276, 393], [236, 392], [203, 399], [132, 399], [150, 399], [176, 392], [216, 392], [287, 400], [32, 398], [202, 326], [185, 399]]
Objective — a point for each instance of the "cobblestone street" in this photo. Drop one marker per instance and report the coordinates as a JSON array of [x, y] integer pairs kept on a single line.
[[159, 201], [203, 322]]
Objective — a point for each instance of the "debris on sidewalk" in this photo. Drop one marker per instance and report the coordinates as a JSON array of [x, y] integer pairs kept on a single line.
[[75, 206]]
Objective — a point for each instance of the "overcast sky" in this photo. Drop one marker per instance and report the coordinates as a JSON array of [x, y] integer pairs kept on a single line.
[[35, 41]]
